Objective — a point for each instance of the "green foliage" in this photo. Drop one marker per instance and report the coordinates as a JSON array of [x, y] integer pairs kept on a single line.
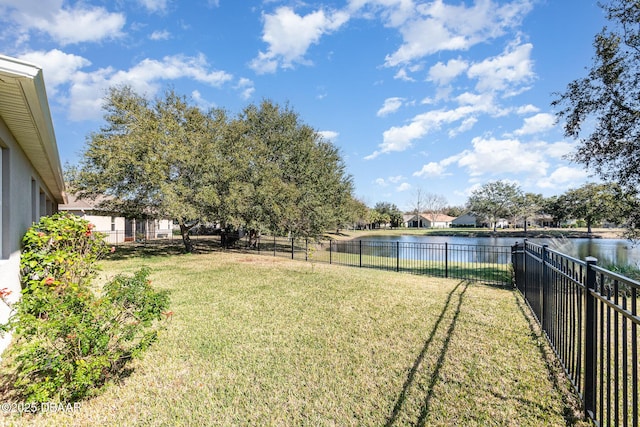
[[602, 109], [166, 158], [388, 213], [60, 251], [592, 203], [154, 159], [495, 200], [281, 175], [68, 340]]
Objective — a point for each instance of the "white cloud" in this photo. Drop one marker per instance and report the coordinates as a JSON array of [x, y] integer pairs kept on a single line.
[[154, 5], [394, 12], [84, 90], [390, 180], [402, 75], [466, 125], [443, 74], [431, 169], [72, 25], [405, 186], [493, 157], [541, 122], [391, 105], [246, 88], [513, 67], [57, 66], [160, 35], [202, 103], [527, 109], [290, 35], [564, 177], [490, 156], [435, 26], [560, 149], [329, 135], [506, 73], [400, 138], [65, 24], [171, 68]]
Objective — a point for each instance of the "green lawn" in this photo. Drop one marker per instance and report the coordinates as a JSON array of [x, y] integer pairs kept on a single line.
[[257, 340]]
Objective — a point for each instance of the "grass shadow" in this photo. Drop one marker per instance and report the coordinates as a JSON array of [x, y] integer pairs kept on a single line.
[[425, 348], [572, 412], [161, 249]]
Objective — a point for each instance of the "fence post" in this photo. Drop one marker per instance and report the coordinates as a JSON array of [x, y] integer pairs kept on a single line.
[[524, 272], [518, 265], [591, 341], [274, 245], [306, 249], [360, 241], [446, 259], [330, 251], [543, 287], [398, 256], [292, 248]]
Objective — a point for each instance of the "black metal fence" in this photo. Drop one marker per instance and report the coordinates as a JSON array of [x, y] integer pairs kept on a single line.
[[590, 317], [588, 314], [490, 264]]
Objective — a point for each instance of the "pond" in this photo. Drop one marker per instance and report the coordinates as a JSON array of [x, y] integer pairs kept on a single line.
[[607, 251]]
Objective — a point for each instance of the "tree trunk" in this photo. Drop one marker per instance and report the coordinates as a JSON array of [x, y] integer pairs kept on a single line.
[[184, 231], [254, 235]]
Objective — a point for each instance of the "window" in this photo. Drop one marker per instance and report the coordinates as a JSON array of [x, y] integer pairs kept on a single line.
[[113, 223], [43, 204], [34, 201]]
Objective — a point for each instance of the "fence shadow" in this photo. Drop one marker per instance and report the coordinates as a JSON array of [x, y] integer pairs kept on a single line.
[[572, 405], [161, 249], [439, 363]]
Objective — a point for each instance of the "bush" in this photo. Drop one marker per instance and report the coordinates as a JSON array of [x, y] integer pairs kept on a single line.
[[68, 338]]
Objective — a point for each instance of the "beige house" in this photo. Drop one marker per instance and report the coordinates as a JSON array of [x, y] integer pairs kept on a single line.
[[117, 228], [31, 182]]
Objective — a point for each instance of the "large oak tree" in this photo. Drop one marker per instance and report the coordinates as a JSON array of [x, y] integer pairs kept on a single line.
[[263, 170], [152, 159]]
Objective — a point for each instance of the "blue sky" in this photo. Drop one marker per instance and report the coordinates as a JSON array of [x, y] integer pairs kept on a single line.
[[438, 95]]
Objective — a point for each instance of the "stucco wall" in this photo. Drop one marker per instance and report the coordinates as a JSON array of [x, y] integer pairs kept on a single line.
[[28, 199], [103, 223]]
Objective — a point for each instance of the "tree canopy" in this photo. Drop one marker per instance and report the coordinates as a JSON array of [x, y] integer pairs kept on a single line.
[[263, 170], [528, 206], [593, 203], [603, 108], [388, 213], [495, 200]]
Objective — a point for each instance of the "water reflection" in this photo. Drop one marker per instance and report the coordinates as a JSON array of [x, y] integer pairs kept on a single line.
[[607, 251]]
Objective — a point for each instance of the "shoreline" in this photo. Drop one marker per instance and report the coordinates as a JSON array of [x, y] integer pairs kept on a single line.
[[536, 233]]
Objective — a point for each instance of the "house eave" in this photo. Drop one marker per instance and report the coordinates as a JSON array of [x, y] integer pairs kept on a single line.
[[25, 111]]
